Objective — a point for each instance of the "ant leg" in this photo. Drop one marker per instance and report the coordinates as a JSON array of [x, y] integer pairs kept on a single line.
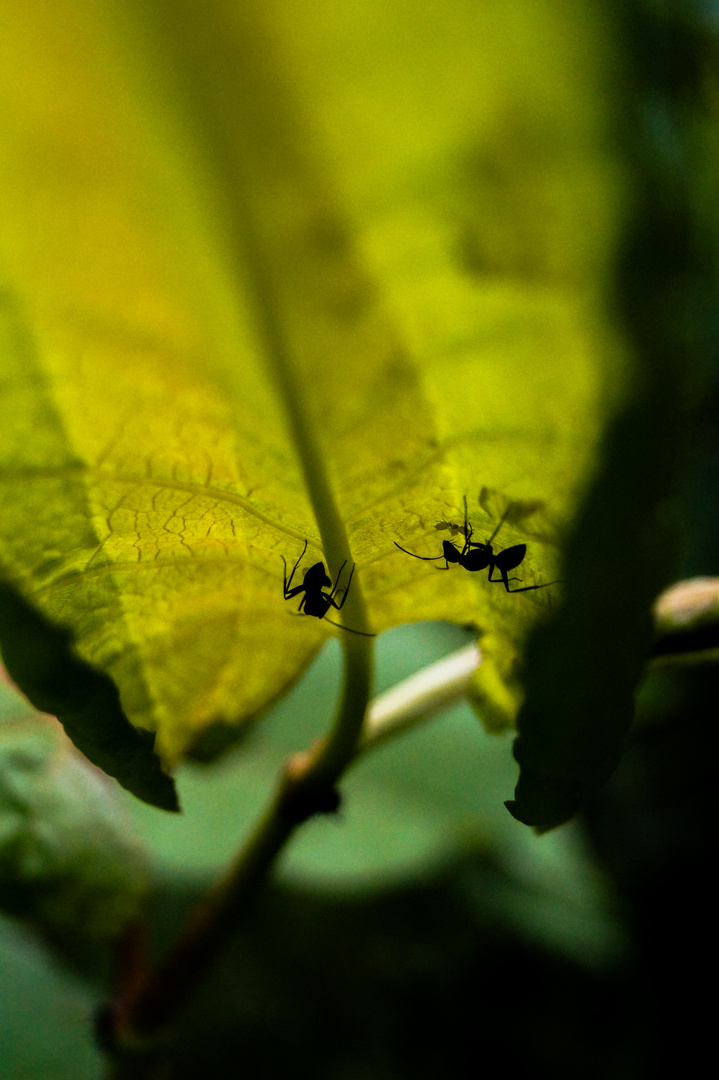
[[288, 584], [503, 578], [337, 579], [344, 595], [339, 606], [348, 628], [525, 588]]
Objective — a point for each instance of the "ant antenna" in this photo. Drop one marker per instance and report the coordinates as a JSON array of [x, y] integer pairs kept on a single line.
[[502, 520]]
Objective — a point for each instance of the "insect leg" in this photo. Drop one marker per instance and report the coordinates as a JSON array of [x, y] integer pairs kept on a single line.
[[344, 595], [288, 584], [527, 588], [504, 579], [348, 628]]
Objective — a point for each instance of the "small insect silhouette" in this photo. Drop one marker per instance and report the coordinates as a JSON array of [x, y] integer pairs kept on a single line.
[[452, 527], [315, 601], [474, 556]]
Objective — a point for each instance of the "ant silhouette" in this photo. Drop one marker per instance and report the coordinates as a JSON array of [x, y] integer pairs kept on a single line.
[[315, 602], [474, 556], [453, 530]]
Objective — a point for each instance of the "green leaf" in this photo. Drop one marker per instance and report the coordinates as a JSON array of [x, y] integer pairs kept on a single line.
[[44, 1013], [69, 863], [260, 249], [569, 743], [40, 657], [626, 539]]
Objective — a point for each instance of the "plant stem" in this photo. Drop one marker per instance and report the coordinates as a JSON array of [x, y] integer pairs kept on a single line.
[[155, 1002], [152, 1008], [307, 777], [421, 695], [307, 785]]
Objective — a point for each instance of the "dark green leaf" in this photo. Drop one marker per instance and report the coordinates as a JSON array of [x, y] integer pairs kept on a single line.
[[41, 660]]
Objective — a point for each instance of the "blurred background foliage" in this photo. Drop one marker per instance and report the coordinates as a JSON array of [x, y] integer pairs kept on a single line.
[[422, 932]]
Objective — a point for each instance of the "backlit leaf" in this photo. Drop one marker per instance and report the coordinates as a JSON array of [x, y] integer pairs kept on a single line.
[[398, 218]]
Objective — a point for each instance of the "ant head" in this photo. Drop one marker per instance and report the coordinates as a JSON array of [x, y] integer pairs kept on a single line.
[[316, 577]]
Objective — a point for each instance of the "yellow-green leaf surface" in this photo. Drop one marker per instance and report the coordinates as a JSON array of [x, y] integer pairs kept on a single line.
[[395, 219]]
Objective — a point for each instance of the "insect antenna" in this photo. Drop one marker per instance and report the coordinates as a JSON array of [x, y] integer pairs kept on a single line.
[[500, 524], [425, 558]]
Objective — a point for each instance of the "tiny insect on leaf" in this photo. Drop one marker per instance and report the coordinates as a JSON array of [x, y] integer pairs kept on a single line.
[[314, 601], [477, 556]]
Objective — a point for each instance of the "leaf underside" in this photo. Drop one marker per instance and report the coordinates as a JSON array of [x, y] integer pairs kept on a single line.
[[417, 207]]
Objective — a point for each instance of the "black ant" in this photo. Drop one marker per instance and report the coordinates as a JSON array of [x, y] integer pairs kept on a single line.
[[315, 602], [474, 556]]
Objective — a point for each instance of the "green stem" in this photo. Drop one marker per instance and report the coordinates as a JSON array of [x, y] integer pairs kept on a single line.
[[418, 697], [155, 1003], [306, 787], [302, 424], [309, 779]]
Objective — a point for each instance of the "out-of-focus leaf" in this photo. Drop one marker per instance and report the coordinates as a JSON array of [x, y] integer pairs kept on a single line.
[[69, 860], [408, 809], [407, 211], [40, 656], [45, 1013], [583, 667]]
